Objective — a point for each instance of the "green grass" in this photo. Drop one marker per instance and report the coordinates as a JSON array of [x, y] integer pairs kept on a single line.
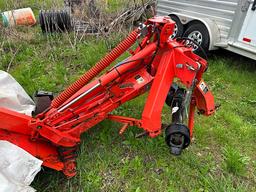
[[221, 158], [234, 162]]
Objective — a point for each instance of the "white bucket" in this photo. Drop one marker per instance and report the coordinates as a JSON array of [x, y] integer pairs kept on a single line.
[[19, 17]]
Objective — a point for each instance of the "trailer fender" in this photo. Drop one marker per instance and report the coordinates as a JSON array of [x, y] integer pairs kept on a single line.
[[213, 30]]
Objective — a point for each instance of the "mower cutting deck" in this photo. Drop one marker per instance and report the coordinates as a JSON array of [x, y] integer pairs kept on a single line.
[[158, 65]]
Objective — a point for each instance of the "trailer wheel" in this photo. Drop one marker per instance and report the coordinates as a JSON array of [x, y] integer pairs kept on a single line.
[[179, 28], [199, 33]]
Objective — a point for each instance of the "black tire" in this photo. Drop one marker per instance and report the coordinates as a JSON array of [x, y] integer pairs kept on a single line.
[[179, 25], [205, 41]]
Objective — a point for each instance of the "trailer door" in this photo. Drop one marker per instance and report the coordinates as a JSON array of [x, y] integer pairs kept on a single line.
[[248, 32]]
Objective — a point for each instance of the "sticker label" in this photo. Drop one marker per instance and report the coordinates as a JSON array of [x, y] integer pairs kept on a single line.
[[203, 87], [139, 79]]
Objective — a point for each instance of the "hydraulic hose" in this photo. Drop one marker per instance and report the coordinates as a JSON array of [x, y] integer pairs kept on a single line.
[[94, 71]]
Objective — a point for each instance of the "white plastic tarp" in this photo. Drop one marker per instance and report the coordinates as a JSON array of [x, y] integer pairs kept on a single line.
[[17, 167], [13, 96]]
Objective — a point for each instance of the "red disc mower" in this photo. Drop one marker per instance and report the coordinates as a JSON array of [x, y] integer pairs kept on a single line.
[[166, 68]]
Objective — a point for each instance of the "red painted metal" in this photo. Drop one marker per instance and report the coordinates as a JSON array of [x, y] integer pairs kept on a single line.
[[191, 118], [54, 135], [93, 72], [14, 122], [204, 99]]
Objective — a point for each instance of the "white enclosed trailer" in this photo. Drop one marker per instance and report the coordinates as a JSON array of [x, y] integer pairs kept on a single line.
[[215, 23]]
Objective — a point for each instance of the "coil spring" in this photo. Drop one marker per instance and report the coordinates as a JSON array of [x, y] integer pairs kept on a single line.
[[67, 153], [94, 71], [68, 156]]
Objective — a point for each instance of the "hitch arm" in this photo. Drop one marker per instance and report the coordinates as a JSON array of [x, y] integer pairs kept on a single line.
[[151, 117]]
